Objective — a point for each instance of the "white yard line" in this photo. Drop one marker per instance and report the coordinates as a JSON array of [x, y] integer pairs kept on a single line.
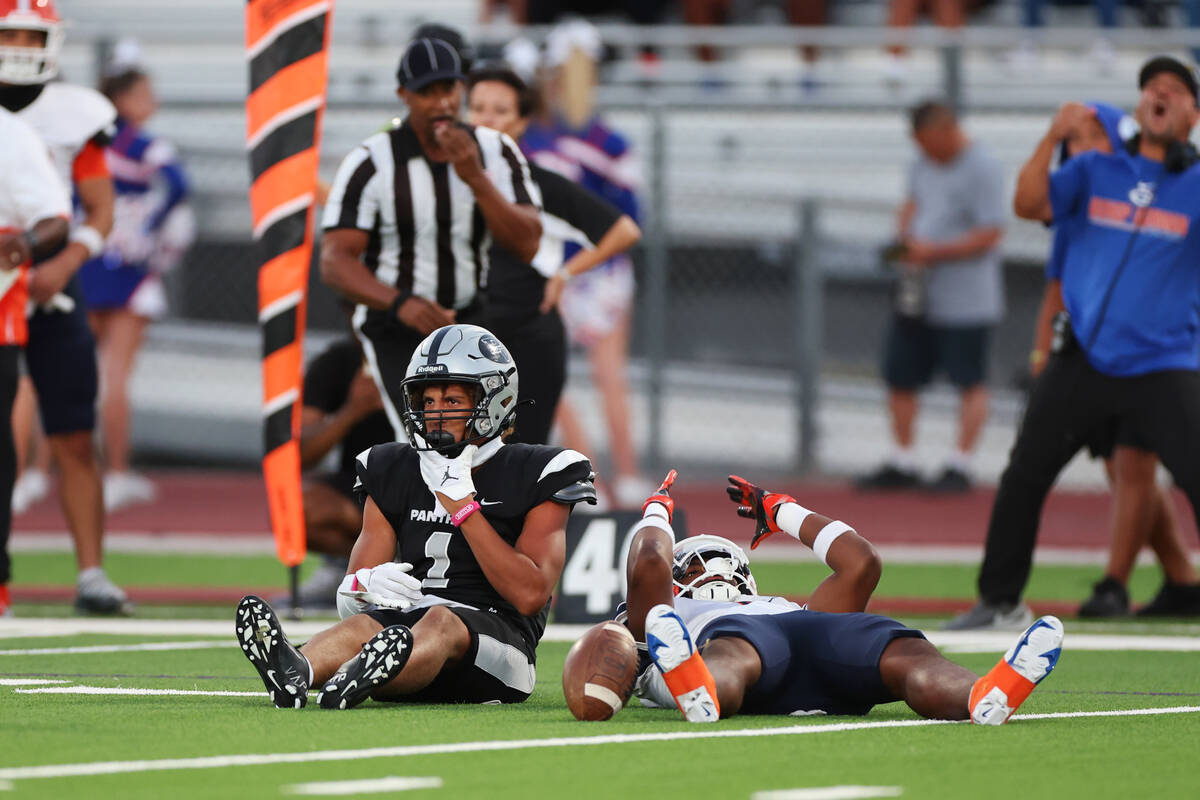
[[829, 793], [137, 692], [260, 759], [28, 681], [117, 648], [370, 786]]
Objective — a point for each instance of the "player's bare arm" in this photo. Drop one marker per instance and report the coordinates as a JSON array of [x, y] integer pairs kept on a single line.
[[376, 543], [18, 248], [1031, 200], [524, 575], [855, 562], [97, 198]]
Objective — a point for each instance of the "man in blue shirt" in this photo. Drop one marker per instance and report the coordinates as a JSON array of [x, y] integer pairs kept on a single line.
[[1131, 285]]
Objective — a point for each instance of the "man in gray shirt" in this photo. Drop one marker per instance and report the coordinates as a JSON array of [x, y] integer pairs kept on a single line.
[[949, 293]]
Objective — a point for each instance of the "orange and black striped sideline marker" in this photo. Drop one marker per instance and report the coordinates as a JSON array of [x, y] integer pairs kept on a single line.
[[287, 45]]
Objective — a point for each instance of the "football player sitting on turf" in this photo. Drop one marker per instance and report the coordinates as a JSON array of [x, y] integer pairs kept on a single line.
[[718, 648], [462, 543]]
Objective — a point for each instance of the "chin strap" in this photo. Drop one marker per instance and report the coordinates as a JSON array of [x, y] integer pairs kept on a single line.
[[486, 451]]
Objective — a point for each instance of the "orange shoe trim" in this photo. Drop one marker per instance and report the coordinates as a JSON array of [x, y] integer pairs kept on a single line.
[[689, 676], [1014, 685]]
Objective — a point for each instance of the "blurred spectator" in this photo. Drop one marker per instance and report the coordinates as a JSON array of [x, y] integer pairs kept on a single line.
[[596, 307], [904, 13], [1033, 16], [1142, 512], [123, 289], [343, 410], [548, 12], [1126, 358], [949, 228], [523, 297], [800, 12]]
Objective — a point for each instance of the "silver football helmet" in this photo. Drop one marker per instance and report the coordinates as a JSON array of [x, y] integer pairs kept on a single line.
[[708, 567], [466, 354]]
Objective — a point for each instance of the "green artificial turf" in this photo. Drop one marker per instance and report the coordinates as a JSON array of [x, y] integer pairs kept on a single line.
[[1103, 757], [794, 578]]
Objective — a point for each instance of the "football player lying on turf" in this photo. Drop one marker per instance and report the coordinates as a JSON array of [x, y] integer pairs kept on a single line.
[[476, 531], [718, 648]]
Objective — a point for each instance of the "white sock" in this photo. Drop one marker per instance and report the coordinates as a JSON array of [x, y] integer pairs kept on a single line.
[[904, 458], [959, 460], [89, 575]]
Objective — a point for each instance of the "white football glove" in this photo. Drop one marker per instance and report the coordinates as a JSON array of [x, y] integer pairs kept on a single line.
[[450, 476], [388, 585]]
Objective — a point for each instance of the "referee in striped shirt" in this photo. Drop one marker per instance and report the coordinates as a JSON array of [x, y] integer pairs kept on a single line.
[[412, 213]]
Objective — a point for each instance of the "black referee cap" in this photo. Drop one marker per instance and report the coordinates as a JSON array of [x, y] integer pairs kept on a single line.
[[426, 61], [452, 37], [1172, 65]]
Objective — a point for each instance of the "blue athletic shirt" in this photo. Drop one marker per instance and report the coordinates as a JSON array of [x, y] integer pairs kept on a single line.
[[1131, 277], [1112, 119]]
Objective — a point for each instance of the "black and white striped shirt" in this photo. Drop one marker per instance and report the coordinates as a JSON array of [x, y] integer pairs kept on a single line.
[[427, 234]]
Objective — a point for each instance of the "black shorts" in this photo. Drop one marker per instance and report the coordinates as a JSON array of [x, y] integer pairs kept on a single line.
[[915, 350], [814, 661], [498, 666], [61, 359]]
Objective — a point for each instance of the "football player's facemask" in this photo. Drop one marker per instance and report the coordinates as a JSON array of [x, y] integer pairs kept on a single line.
[[467, 355], [711, 568], [31, 37]]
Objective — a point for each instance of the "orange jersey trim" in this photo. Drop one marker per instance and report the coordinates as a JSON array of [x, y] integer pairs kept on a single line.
[[90, 163]]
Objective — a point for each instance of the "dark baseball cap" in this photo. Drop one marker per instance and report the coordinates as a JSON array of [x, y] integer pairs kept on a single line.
[[1172, 65], [452, 37], [426, 61]]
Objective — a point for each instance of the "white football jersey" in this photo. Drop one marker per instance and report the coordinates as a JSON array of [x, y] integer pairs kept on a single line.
[[67, 117], [29, 188]]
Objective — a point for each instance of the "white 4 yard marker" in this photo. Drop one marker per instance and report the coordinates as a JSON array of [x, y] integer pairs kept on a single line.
[[369, 786]]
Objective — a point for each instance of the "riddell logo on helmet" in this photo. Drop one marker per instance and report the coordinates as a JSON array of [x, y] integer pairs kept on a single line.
[[426, 369]]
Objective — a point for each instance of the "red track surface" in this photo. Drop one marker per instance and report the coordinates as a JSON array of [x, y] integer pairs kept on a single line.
[[234, 504]]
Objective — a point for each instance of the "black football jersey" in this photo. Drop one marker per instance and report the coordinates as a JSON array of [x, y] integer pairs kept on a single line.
[[513, 481]]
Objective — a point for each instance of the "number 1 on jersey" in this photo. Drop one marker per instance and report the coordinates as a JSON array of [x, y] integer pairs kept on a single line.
[[437, 547]]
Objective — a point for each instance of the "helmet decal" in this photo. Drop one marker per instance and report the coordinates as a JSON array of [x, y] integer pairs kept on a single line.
[[491, 349]]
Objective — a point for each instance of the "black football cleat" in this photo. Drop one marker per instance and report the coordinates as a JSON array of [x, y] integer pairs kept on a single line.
[[283, 670], [381, 659]]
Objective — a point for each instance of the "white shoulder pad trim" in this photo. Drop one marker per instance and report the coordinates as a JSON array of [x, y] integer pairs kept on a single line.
[[363, 456], [83, 107], [561, 461]]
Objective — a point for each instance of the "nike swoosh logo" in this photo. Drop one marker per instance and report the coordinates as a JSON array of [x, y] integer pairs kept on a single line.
[[490, 502], [271, 676]]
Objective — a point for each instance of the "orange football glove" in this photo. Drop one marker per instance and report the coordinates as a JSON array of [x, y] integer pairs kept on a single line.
[[758, 505], [663, 496]]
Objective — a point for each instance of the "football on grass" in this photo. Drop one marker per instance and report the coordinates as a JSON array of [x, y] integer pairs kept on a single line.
[[600, 670]]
